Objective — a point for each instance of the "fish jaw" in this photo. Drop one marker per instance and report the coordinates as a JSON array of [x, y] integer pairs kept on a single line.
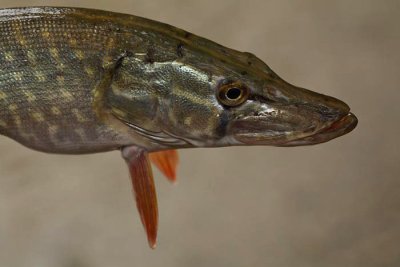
[[338, 128]]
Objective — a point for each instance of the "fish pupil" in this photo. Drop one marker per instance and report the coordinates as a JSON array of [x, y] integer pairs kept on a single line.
[[233, 93]]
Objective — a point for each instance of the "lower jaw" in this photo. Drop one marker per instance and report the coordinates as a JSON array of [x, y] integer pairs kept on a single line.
[[340, 127]]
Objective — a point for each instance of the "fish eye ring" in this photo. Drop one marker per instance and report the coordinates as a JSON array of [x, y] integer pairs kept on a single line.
[[233, 94]]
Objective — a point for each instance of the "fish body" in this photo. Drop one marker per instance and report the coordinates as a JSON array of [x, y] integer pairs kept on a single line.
[[78, 81], [57, 67]]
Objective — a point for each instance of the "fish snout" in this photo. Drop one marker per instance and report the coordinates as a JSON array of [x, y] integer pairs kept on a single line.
[[335, 118], [329, 108]]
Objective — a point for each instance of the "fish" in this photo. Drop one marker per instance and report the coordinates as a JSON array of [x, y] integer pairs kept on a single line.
[[77, 81]]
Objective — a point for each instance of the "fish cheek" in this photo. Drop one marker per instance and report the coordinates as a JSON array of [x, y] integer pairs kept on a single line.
[[191, 120]]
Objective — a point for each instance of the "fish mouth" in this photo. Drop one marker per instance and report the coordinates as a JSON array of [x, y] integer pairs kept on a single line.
[[340, 127]]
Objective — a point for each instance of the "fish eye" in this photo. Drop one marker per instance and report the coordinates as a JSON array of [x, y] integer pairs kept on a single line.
[[233, 94]]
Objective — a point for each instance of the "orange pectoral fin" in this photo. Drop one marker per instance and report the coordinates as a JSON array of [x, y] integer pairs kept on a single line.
[[167, 162], [144, 190]]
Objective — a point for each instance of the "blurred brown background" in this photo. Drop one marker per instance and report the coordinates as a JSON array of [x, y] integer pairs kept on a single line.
[[336, 204]]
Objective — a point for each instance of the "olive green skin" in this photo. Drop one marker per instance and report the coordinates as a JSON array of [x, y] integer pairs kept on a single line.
[[82, 81]]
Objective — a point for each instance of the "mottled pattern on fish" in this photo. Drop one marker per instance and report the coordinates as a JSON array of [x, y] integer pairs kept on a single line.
[[49, 69]]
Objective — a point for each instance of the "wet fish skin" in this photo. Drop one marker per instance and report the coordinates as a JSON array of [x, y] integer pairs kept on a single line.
[[76, 81]]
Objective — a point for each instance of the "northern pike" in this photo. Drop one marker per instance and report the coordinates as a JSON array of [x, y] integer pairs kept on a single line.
[[76, 81]]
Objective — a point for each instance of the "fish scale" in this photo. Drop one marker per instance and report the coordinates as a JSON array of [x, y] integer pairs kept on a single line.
[[52, 74]]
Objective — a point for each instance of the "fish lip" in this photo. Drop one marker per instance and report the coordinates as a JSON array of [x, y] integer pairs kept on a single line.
[[347, 122], [337, 128]]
